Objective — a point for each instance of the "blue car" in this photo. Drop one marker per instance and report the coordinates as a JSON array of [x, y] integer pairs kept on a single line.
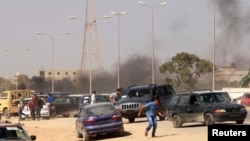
[[98, 119]]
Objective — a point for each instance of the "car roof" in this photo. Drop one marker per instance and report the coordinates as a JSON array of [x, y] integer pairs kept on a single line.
[[97, 104]]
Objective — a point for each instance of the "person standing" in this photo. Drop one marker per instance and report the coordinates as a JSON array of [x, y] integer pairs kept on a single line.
[[93, 100], [152, 109], [32, 107], [38, 107], [20, 106], [114, 97]]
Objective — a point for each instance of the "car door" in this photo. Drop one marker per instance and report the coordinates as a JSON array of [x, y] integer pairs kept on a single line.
[[194, 109]]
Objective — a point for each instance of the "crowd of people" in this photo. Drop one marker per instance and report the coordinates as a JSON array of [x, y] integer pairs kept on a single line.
[[35, 104]]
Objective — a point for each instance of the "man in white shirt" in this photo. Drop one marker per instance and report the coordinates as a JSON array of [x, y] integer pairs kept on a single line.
[[93, 97]]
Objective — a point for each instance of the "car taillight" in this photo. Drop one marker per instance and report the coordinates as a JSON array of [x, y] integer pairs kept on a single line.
[[116, 117], [89, 121], [220, 110]]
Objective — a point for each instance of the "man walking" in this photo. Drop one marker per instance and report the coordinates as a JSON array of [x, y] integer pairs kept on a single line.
[[20, 106], [151, 112]]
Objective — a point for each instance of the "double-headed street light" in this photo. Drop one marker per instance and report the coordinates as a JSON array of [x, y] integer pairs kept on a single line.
[[53, 50], [153, 44], [17, 63], [118, 47]]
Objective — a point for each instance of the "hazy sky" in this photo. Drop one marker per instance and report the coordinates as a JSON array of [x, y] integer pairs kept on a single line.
[[180, 26]]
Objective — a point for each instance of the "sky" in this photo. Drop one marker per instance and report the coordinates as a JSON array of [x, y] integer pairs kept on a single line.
[[179, 26]]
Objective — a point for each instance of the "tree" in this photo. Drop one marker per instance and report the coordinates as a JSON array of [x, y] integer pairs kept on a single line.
[[185, 70]]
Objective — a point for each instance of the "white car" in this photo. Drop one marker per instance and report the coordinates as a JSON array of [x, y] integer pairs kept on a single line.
[[45, 112]]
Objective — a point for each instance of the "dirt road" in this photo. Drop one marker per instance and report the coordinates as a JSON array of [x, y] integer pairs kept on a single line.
[[63, 129]]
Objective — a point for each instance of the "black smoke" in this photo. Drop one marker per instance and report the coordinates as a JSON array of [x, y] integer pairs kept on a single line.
[[232, 31]]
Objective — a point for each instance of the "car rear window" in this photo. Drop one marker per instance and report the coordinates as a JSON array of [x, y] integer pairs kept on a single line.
[[101, 110]]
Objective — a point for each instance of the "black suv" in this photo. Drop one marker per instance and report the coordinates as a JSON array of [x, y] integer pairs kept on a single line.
[[135, 96], [204, 107]]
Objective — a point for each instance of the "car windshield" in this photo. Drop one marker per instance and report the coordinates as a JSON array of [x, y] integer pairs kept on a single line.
[[101, 110], [213, 97], [138, 93], [13, 132]]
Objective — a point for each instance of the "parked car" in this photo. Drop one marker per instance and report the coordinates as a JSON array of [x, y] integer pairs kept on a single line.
[[65, 106], [204, 107], [45, 112], [76, 97], [245, 99], [98, 119], [134, 97], [14, 132], [86, 99]]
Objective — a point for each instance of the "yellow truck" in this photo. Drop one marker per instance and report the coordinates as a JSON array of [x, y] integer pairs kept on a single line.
[[9, 102]]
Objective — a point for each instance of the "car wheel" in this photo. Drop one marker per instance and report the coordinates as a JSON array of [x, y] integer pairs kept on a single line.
[[78, 135], [209, 119], [131, 120], [239, 121], [85, 136], [177, 123], [6, 113], [164, 113], [122, 132]]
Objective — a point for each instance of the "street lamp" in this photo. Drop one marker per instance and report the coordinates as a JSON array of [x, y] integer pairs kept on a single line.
[[213, 44], [17, 63], [53, 50], [153, 44], [90, 54], [118, 49]]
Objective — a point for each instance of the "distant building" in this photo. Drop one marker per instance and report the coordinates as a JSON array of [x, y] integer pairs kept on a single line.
[[59, 74]]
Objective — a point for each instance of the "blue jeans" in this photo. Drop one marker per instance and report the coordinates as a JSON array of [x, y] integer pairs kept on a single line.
[[152, 123], [20, 112]]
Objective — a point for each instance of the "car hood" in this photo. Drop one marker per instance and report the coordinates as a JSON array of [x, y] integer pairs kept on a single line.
[[226, 105], [134, 99]]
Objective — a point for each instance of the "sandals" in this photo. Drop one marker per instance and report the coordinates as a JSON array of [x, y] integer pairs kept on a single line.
[[146, 133]]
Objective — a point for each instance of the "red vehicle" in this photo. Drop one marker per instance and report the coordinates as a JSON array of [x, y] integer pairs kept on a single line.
[[245, 100]]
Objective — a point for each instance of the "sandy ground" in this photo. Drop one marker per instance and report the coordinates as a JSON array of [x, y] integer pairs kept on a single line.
[[63, 129]]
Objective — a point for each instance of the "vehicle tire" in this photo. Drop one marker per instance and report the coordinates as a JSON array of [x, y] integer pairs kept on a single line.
[[177, 123], [122, 132], [6, 113], [239, 121], [131, 119], [164, 112], [85, 136], [209, 119], [78, 135]]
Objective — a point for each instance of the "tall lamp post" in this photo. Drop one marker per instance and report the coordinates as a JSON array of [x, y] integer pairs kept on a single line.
[[17, 64], [118, 47], [91, 54], [214, 1], [153, 44], [53, 56]]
